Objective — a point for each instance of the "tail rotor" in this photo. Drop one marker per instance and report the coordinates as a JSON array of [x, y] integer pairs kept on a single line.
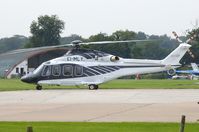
[[188, 41]]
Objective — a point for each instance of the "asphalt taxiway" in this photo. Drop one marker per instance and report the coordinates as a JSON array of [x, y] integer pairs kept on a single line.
[[165, 105]]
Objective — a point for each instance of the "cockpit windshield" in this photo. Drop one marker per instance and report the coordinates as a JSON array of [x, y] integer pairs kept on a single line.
[[38, 69]]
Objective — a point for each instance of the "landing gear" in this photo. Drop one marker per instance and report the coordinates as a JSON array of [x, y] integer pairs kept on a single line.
[[39, 87], [93, 87]]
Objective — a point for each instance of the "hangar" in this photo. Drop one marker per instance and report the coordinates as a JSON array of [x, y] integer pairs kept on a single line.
[[22, 61]]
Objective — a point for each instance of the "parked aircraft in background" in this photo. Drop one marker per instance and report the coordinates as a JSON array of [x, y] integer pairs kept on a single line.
[[195, 70], [181, 77]]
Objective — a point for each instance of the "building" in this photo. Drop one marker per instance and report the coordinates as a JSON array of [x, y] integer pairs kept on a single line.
[[20, 62]]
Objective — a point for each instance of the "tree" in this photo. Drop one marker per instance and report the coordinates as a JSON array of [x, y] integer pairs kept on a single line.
[[122, 50], [46, 31], [141, 36], [99, 37], [12, 43], [69, 39], [123, 35]]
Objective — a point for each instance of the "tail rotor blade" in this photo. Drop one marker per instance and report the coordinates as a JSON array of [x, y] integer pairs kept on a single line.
[[177, 37], [180, 41], [191, 54], [191, 38]]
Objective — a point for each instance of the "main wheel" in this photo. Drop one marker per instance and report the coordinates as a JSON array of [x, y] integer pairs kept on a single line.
[[39, 87], [93, 87]]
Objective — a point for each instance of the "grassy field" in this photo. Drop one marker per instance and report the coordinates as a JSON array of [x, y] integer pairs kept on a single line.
[[16, 84], [95, 127]]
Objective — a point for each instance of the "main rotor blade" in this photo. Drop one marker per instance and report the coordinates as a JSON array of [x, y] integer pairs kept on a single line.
[[113, 42], [73, 45], [35, 49]]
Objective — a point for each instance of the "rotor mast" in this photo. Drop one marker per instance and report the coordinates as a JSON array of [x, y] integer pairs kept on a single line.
[[76, 43]]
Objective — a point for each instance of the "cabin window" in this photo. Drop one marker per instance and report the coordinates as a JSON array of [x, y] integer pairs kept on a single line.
[[56, 70], [46, 71], [68, 70], [78, 70]]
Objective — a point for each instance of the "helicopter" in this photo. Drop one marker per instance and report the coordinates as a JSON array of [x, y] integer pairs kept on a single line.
[[92, 67]]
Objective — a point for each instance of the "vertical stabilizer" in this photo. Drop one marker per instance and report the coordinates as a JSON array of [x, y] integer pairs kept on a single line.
[[174, 57]]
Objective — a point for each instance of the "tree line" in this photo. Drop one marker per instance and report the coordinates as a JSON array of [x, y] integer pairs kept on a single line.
[[46, 30]]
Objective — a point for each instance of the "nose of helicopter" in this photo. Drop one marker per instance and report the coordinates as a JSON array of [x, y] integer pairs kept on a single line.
[[27, 78]]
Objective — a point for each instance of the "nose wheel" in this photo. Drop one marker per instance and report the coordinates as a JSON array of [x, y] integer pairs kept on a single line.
[[39, 87], [93, 87]]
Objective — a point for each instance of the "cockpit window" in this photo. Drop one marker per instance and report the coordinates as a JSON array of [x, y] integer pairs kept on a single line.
[[38, 69], [46, 71], [56, 70]]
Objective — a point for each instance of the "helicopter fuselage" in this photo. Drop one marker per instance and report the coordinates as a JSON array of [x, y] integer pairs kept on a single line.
[[79, 69], [90, 67]]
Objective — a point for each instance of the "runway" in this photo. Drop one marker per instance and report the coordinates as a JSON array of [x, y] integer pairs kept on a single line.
[[100, 105]]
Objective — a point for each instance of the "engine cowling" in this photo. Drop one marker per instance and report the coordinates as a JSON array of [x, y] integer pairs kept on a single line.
[[171, 72], [114, 58]]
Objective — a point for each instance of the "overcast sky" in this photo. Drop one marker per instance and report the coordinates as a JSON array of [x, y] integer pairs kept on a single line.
[[88, 17]]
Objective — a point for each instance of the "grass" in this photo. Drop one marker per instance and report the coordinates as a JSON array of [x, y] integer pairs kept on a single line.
[[95, 127], [16, 84], [152, 84]]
